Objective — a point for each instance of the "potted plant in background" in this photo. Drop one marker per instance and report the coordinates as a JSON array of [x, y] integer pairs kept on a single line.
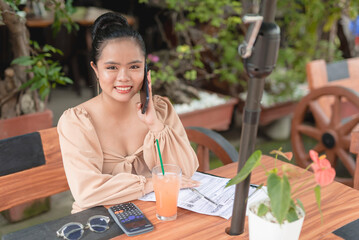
[[28, 81], [200, 38], [281, 215], [25, 89]]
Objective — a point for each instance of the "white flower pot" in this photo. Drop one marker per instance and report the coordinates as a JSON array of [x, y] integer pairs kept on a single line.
[[260, 228]]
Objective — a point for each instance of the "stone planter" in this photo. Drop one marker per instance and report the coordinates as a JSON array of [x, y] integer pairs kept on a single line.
[[17, 126], [218, 117], [270, 114]]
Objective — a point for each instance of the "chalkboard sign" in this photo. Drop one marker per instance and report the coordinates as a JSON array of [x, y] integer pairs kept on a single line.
[[20, 153]]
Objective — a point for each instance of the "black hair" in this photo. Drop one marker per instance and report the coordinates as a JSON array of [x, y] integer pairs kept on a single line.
[[109, 26]]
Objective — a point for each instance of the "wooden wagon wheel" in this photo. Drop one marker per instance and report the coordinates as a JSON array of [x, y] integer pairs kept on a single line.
[[331, 133]]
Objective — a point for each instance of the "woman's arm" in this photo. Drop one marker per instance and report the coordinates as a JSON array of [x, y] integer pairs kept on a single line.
[[83, 162], [174, 144]]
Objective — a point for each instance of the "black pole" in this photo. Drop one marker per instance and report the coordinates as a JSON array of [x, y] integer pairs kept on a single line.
[[258, 66]]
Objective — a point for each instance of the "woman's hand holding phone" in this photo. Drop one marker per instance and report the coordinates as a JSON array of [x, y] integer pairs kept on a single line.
[[144, 92], [149, 117]]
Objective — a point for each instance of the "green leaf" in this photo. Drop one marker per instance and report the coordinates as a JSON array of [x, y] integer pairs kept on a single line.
[[24, 61], [252, 162], [38, 83], [41, 71], [66, 80], [292, 215], [36, 45], [27, 84], [54, 70], [262, 210], [279, 194], [301, 204], [44, 92], [191, 75], [49, 48]]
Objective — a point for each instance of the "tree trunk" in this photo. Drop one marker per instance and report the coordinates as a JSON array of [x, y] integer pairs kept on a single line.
[[19, 38]]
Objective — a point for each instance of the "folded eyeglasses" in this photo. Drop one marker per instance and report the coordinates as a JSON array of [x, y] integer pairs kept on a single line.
[[75, 230]]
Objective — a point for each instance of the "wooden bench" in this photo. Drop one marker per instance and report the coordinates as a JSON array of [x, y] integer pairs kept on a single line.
[[37, 182], [48, 178]]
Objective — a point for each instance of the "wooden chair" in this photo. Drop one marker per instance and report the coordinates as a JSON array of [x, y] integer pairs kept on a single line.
[[354, 148], [333, 103], [208, 140], [40, 173]]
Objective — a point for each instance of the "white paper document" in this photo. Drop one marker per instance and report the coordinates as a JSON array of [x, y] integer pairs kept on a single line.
[[212, 187]]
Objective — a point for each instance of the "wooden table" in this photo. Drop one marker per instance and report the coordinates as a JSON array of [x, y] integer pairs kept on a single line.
[[85, 16], [340, 205]]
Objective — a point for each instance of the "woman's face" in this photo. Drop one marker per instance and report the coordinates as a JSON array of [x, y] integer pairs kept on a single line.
[[120, 69]]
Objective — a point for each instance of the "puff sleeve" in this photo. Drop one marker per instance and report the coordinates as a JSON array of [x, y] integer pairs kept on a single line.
[[83, 162], [173, 140]]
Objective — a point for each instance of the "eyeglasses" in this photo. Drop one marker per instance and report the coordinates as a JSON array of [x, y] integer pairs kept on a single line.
[[75, 230]]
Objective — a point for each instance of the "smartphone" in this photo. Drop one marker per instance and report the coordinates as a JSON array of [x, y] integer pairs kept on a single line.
[[144, 93]]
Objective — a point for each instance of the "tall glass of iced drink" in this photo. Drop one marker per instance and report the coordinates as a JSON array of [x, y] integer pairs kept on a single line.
[[166, 190]]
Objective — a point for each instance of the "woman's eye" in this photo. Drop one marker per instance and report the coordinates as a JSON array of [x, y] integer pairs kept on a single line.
[[111, 67], [134, 67]]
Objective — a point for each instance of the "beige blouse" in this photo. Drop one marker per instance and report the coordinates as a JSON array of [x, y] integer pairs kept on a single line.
[[98, 175]]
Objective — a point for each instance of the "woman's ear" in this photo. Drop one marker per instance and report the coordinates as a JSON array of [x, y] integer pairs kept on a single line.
[[94, 67]]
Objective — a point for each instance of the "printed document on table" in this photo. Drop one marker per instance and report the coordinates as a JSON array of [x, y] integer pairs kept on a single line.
[[212, 187]]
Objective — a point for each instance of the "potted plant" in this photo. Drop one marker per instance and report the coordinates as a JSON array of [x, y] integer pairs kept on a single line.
[[33, 73], [200, 38], [281, 215], [26, 87]]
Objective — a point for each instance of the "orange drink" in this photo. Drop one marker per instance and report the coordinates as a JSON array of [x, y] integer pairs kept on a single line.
[[166, 190]]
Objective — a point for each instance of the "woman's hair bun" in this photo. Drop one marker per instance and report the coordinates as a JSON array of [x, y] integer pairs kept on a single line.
[[109, 26], [109, 19]]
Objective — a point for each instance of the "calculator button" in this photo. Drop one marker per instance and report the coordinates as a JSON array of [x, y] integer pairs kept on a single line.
[[131, 217]]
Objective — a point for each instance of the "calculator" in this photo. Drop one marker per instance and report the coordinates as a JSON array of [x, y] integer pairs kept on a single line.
[[130, 219]]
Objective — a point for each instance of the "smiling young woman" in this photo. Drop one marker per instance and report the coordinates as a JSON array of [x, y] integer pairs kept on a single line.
[[107, 144], [120, 75]]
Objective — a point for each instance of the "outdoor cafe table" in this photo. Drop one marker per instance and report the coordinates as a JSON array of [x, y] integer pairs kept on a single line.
[[340, 205]]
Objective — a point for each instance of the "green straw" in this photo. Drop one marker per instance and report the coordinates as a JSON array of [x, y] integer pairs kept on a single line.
[[159, 153]]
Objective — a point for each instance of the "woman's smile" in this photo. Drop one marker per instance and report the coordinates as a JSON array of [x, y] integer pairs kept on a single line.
[[123, 89]]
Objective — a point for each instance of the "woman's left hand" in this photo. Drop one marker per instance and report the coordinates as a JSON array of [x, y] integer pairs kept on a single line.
[[150, 117], [189, 183]]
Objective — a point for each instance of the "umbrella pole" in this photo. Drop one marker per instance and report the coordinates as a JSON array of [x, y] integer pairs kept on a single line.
[[258, 63]]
